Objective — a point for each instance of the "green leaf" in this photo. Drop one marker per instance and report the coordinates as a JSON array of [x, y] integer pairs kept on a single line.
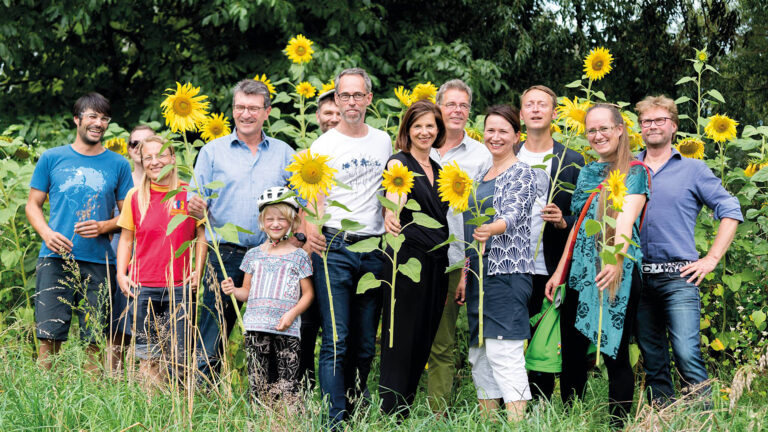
[[412, 205], [216, 184], [684, 80], [412, 269], [573, 84], [732, 281], [478, 221], [634, 354], [318, 222], [548, 157], [365, 246], [600, 95], [164, 172], [752, 213], [456, 266], [426, 221], [760, 176], [184, 246], [592, 227], [610, 221], [490, 211], [9, 258], [608, 257], [388, 204], [350, 225], [228, 232], [758, 317], [682, 99], [697, 67], [394, 242], [170, 194], [334, 203], [748, 131], [176, 221], [716, 94], [368, 281], [451, 238], [566, 185], [342, 184]]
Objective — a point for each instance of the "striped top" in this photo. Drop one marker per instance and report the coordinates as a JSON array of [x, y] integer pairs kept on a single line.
[[275, 288]]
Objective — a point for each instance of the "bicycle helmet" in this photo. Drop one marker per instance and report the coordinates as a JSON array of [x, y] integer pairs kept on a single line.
[[273, 194]]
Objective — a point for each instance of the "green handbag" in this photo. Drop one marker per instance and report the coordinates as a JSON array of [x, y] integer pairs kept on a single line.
[[543, 353]]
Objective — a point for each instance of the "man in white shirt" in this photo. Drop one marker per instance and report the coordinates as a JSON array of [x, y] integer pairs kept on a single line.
[[359, 153], [455, 101]]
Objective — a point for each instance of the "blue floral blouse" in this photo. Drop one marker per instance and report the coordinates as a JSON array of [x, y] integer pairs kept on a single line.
[[586, 261]]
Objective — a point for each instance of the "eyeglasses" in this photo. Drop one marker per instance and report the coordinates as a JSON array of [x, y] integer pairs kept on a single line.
[[238, 109], [164, 158], [603, 131], [658, 121], [344, 97], [133, 144], [94, 117], [453, 106]]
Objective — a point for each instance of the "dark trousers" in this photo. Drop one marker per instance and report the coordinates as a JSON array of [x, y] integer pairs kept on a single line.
[[418, 310], [310, 327], [542, 383], [267, 352], [621, 378]]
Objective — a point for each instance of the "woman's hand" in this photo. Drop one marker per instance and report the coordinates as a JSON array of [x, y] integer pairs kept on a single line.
[[609, 273], [126, 285], [391, 224], [285, 321], [552, 283], [228, 286], [460, 297], [482, 233]]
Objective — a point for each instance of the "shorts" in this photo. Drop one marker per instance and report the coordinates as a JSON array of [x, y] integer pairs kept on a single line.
[[498, 370], [62, 290], [161, 322]]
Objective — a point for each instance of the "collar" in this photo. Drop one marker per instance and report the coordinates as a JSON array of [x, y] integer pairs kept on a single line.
[[233, 139], [675, 154]]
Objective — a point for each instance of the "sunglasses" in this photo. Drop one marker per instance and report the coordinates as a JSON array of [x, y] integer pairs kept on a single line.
[[133, 144]]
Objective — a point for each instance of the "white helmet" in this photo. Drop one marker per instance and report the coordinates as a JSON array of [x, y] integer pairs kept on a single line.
[[273, 194]]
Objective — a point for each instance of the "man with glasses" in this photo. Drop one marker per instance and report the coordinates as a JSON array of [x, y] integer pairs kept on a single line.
[[83, 183], [245, 162], [359, 153], [455, 100], [537, 112], [669, 308]]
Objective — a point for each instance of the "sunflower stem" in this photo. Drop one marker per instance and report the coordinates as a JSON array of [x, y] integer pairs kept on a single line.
[[599, 329], [481, 293], [394, 279]]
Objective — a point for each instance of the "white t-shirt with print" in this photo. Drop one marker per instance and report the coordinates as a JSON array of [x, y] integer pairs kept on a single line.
[[359, 163], [542, 190]]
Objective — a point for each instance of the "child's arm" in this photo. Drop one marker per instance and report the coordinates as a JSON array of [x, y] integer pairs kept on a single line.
[[241, 293], [307, 295]]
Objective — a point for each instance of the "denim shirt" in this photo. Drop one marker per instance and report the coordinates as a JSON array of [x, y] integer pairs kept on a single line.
[[245, 177], [680, 188]]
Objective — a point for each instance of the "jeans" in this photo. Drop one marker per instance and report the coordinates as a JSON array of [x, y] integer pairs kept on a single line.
[[357, 318], [669, 304], [161, 323], [210, 323]]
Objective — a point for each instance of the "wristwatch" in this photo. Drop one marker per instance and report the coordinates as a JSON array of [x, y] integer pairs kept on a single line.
[[301, 237]]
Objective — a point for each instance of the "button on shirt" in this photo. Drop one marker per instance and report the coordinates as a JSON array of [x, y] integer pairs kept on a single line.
[[476, 160], [679, 189], [245, 177]]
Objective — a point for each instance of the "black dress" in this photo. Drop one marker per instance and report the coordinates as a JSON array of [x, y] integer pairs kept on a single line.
[[418, 306]]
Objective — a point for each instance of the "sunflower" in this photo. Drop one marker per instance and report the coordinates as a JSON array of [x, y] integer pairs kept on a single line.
[[117, 145], [214, 127], [691, 148], [616, 188], [523, 137], [264, 80], [636, 142], [721, 128], [454, 186], [424, 91], [702, 55], [306, 89], [404, 96], [299, 49], [474, 133], [574, 113], [554, 128], [183, 109], [598, 63], [6, 138], [751, 169], [627, 121], [398, 180], [330, 85], [311, 175]]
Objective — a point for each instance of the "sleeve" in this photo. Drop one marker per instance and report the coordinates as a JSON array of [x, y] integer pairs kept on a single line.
[[517, 198], [124, 180], [248, 259], [711, 191], [305, 265], [289, 153], [637, 181], [203, 173], [126, 216], [41, 179]]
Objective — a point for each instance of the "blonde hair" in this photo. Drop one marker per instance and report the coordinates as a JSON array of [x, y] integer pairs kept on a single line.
[[285, 210], [660, 101], [621, 162], [142, 192]]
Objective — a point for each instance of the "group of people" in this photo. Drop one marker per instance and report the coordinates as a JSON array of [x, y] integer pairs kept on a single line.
[[533, 240]]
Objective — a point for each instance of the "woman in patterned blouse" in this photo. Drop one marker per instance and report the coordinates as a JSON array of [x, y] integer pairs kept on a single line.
[[498, 366]]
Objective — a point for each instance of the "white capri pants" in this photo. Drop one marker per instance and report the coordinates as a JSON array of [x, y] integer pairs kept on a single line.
[[498, 370]]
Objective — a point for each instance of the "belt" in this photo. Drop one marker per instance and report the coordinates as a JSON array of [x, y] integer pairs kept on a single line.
[[347, 237], [668, 267], [234, 247]]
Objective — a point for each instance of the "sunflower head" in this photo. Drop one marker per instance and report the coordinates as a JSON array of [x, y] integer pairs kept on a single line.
[[691, 148], [702, 56], [554, 128], [306, 90], [721, 128], [398, 180], [616, 189], [404, 96], [474, 133], [117, 145], [311, 175], [183, 109], [330, 85], [424, 91], [636, 142], [574, 113], [751, 169], [523, 137], [214, 127], [454, 186], [299, 49], [264, 80], [598, 63]]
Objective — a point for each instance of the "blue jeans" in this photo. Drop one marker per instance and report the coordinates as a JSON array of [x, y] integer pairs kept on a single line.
[[156, 314], [357, 318], [215, 318], [671, 305]]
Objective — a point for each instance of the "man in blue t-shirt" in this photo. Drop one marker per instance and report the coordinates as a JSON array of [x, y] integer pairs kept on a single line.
[[83, 183]]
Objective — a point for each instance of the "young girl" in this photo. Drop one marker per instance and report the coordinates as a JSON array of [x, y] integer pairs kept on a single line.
[[278, 289], [156, 272]]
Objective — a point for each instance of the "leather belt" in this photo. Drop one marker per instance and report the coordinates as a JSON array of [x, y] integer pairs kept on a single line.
[[668, 267], [345, 236]]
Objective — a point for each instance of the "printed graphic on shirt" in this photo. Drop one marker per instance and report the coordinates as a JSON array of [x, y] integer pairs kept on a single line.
[[360, 171], [178, 207]]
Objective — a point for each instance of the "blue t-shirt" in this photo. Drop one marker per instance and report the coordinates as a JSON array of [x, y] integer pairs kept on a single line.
[[81, 188]]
